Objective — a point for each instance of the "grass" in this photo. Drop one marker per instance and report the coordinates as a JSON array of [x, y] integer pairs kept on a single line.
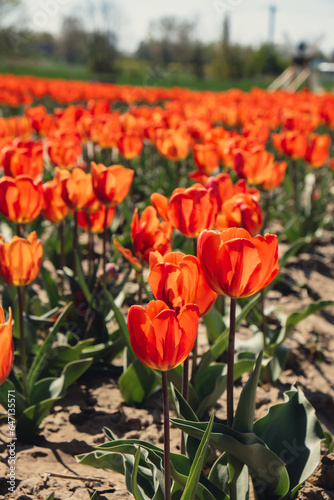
[[128, 72]]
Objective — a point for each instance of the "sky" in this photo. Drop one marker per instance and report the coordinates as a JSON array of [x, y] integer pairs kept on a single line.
[[295, 20]]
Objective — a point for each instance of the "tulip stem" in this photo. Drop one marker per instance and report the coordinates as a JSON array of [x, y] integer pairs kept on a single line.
[[75, 243], [90, 249], [166, 434], [230, 363], [20, 230], [23, 354], [295, 185], [185, 394], [264, 323], [104, 259]]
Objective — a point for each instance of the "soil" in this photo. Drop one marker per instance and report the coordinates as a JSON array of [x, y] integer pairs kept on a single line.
[[75, 423]]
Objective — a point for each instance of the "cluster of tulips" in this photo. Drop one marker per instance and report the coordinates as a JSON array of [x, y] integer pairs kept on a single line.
[[222, 152]]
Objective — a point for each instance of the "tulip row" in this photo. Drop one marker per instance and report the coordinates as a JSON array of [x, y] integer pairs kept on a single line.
[[55, 163]]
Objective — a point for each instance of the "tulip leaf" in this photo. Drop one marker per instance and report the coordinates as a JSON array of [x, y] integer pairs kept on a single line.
[[214, 323], [219, 473], [42, 354], [122, 324], [134, 484], [212, 383], [50, 288], [81, 278], [136, 383], [243, 422], [51, 390], [94, 496], [185, 411], [197, 465], [292, 431], [244, 414], [268, 469], [20, 401], [220, 345], [273, 366], [51, 497]]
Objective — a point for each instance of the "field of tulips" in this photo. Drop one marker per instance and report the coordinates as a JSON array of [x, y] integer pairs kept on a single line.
[[166, 264]]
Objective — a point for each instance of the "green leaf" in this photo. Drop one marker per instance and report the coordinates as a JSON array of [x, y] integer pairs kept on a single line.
[[273, 366], [94, 496], [214, 323], [221, 343], [81, 279], [197, 465], [184, 410], [122, 324], [219, 473], [41, 356], [51, 390], [212, 383], [292, 431], [134, 484], [243, 422], [51, 497], [50, 288], [244, 414], [268, 469], [136, 383]]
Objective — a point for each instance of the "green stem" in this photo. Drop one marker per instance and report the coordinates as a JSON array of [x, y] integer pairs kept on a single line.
[[295, 185], [75, 242], [23, 354], [230, 364], [166, 435], [104, 260], [185, 394], [264, 323]]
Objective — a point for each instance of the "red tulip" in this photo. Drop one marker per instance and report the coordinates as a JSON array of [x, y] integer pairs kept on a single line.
[[241, 210], [111, 184], [189, 210], [20, 259], [21, 199], [6, 345], [178, 279], [160, 338], [235, 264]]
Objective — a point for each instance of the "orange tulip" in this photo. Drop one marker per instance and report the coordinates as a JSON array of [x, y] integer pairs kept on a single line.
[[23, 157], [21, 199], [94, 221], [130, 146], [77, 190], [20, 259], [173, 144], [290, 142], [189, 210], [235, 264], [178, 279], [149, 234], [206, 157], [258, 168], [64, 148], [224, 188], [6, 345], [241, 210], [55, 209], [317, 151], [160, 338], [111, 184]]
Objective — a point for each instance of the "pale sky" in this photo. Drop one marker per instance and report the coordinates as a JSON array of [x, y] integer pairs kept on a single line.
[[300, 20]]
